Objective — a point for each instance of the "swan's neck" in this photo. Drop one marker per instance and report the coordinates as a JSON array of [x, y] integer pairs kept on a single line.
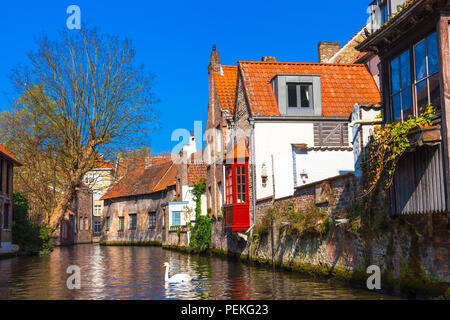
[[167, 274]]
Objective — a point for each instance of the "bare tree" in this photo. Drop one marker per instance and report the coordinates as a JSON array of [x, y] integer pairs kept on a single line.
[[88, 89]]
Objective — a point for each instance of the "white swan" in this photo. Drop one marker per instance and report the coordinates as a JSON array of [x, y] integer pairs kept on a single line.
[[181, 277]]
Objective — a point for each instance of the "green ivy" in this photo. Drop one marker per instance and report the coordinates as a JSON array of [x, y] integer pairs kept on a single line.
[[201, 232], [388, 145]]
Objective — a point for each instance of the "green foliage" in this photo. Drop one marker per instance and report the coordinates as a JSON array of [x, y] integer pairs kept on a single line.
[[198, 189], [388, 145], [201, 232], [286, 216], [31, 238]]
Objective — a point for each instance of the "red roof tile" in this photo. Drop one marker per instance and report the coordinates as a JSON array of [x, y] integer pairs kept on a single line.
[[144, 181], [225, 82], [196, 173], [342, 85], [6, 153]]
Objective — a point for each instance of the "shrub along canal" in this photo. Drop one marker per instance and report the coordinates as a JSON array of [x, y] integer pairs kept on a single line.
[[136, 273]]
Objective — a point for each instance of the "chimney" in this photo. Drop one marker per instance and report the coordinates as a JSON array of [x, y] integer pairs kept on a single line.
[[214, 60], [327, 50], [268, 59]]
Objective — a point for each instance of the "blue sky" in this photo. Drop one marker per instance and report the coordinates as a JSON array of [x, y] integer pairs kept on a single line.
[[173, 40]]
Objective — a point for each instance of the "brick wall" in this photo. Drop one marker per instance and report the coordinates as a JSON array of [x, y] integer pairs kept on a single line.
[[411, 245], [141, 206]]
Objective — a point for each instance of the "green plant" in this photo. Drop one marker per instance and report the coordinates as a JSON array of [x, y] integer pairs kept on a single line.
[[201, 232], [286, 216], [388, 145], [31, 238]]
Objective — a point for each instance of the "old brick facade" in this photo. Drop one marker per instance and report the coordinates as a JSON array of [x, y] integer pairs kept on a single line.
[[7, 163], [134, 208]]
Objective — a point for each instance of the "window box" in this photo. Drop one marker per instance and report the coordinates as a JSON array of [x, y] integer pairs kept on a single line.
[[425, 136]]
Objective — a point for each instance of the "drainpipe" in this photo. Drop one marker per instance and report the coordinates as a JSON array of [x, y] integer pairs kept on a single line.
[[252, 155]]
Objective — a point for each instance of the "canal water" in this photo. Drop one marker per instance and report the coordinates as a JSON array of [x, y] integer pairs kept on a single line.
[[137, 273]]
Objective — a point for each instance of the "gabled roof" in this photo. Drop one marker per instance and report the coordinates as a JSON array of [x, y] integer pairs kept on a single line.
[[342, 85], [127, 164], [347, 53], [144, 181], [8, 155], [240, 151], [196, 168], [225, 83]]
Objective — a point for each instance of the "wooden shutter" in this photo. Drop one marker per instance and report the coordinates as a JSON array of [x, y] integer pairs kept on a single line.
[[330, 134]]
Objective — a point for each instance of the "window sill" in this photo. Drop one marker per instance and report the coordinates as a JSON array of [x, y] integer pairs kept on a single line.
[[430, 136]]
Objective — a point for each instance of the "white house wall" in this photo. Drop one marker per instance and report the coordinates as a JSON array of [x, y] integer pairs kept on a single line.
[[319, 165], [277, 138]]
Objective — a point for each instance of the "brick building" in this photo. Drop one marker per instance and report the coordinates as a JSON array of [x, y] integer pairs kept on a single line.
[[412, 41], [7, 163], [76, 225], [289, 128], [222, 89], [133, 208]]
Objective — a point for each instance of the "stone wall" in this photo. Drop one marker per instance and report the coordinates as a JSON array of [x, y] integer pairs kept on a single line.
[[411, 251], [174, 239]]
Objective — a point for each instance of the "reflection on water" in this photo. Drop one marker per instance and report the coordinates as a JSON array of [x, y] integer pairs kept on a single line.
[[137, 273]]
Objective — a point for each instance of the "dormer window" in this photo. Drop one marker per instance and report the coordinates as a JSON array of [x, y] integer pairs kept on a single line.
[[298, 95]]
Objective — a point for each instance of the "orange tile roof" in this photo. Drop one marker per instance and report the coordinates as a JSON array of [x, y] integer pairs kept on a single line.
[[342, 85], [144, 181], [226, 82], [127, 164], [196, 173], [102, 164], [6, 153], [240, 151]]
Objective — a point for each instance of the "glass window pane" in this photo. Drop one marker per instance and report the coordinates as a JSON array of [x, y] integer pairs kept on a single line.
[[422, 94], [420, 60], [238, 179], [292, 95], [405, 70], [243, 170], [238, 170], [305, 95], [435, 92], [243, 198], [395, 76], [407, 105], [432, 48], [397, 107], [238, 189], [243, 180]]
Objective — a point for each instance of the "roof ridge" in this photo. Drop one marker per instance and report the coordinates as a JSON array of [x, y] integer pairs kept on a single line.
[[359, 65], [165, 173]]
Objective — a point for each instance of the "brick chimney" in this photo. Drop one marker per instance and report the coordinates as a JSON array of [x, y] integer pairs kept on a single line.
[[327, 50], [268, 59]]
